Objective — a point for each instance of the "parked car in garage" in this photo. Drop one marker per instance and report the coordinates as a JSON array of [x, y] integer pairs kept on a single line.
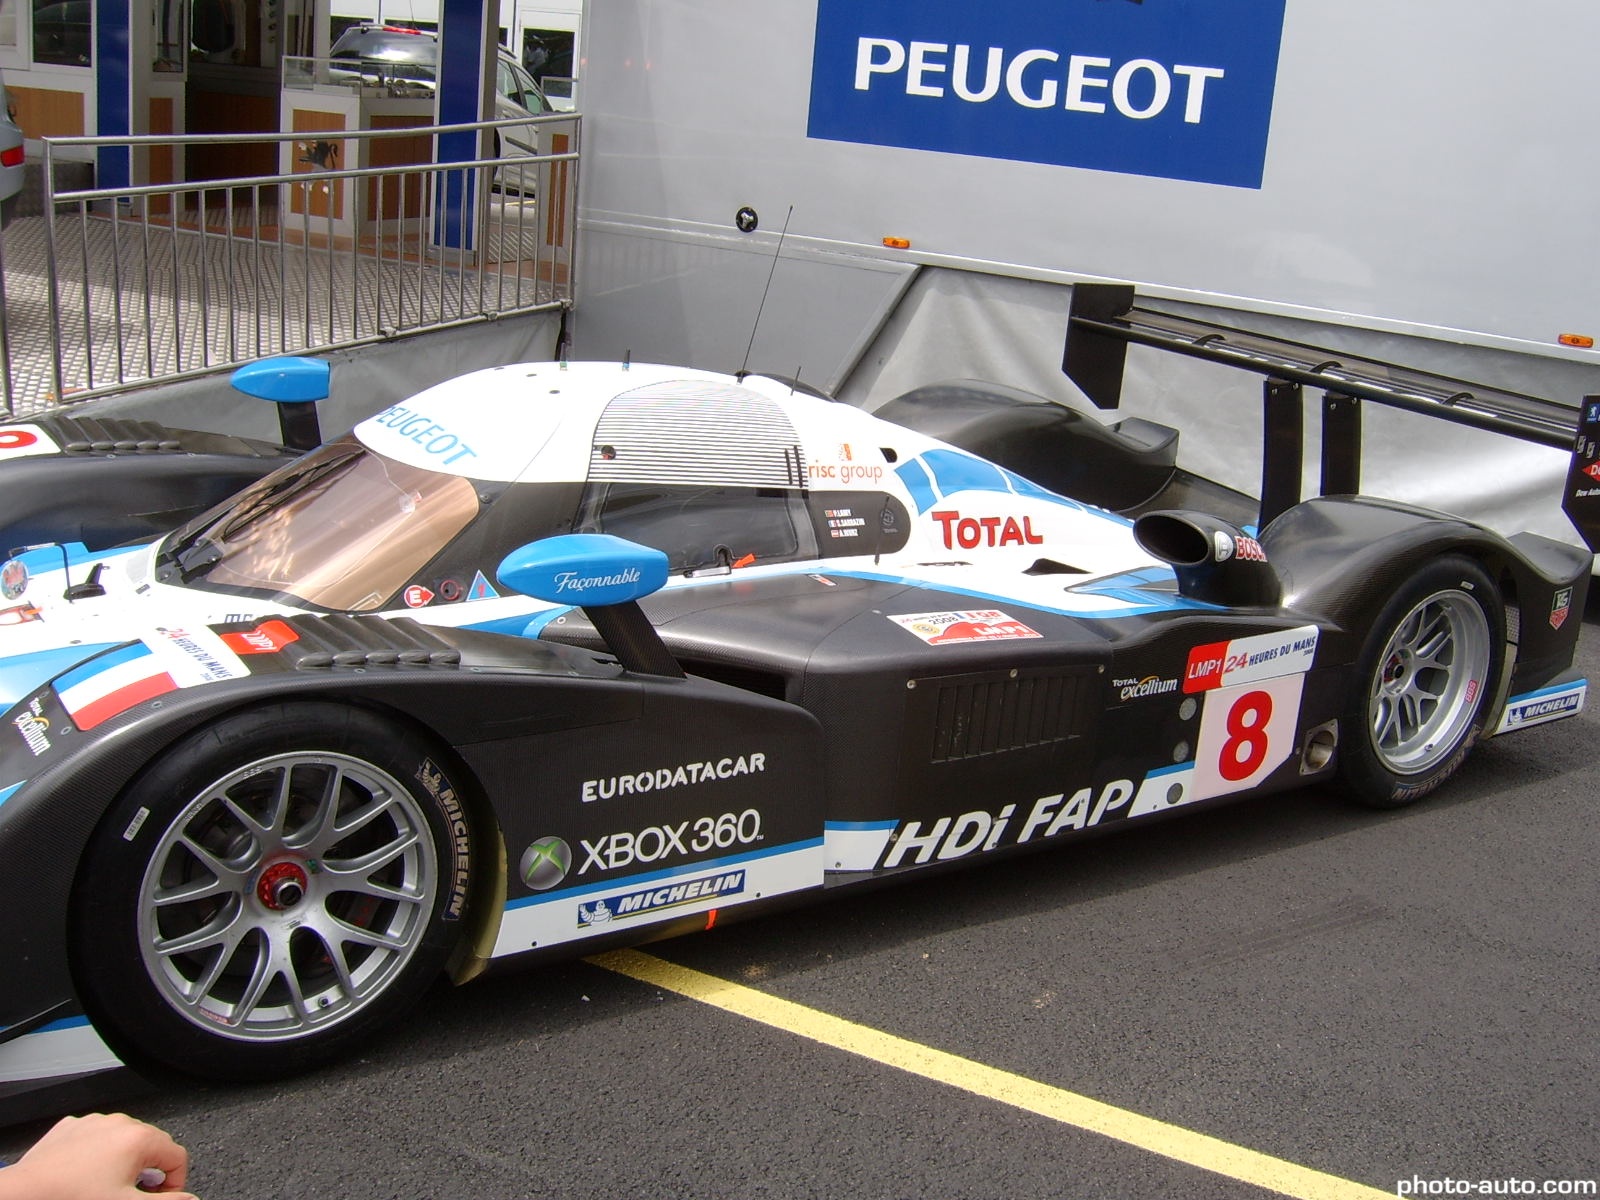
[[11, 156], [407, 62]]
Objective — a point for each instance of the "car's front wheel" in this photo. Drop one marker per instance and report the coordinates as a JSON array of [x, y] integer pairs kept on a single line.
[[269, 892], [1423, 684]]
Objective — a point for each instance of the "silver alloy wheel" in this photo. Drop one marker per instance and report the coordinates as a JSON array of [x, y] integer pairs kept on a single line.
[[1425, 693], [287, 896]]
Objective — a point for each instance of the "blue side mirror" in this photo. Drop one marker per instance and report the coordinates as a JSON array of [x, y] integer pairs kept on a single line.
[[286, 378], [295, 385], [605, 576], [586, 570]]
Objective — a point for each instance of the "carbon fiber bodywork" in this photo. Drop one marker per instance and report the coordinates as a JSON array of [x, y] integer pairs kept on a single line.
[[112, 480]]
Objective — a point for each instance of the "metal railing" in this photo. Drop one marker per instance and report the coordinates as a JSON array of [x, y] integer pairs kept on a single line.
[[169, 281]]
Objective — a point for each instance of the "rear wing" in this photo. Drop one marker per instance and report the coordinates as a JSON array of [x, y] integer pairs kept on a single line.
[[1105, 319]]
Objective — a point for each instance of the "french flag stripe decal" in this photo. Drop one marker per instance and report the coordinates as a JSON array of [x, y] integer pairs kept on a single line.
[[113, 683]]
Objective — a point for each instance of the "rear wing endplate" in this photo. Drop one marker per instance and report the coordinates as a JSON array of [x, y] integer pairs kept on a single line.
[[1105, 320]]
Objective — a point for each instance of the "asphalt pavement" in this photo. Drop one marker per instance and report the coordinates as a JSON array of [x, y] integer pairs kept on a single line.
[[1378, 998]]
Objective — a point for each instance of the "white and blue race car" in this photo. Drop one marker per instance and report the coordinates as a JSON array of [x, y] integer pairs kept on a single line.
[[561, 656]]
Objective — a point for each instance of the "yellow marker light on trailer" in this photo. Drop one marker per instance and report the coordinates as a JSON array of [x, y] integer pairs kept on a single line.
[[897, 243], [1581, 340]]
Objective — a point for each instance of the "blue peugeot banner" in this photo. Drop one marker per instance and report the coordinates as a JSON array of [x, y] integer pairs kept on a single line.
[[1180, 89]]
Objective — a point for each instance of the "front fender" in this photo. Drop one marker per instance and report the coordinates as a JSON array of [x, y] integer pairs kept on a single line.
[[70, 776], [496, 703]]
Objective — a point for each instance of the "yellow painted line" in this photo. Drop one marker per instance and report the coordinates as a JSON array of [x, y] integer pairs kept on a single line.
[[1158, 1137]]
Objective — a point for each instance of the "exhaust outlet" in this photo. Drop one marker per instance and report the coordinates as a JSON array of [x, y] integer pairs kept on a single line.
[[1215, 561]]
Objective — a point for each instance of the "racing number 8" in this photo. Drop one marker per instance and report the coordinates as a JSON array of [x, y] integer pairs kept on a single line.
[[1246, 733], [1246, 746]]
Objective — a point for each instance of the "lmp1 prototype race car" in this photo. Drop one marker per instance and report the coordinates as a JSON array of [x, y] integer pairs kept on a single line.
[[560, 656]]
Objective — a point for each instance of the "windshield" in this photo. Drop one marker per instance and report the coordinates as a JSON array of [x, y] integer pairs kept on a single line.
[[342, 528], [387, 45]]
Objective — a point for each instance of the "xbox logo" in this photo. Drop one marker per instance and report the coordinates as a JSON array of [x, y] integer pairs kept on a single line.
[[545, 863]]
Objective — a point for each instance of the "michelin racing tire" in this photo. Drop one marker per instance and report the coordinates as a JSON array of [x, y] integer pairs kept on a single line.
[[1423, 684], [269, 892]]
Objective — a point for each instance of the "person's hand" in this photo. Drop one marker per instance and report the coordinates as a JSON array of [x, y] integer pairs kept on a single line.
[[98, 1157]]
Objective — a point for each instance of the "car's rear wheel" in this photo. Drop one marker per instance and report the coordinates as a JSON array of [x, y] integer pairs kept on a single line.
[[277, 886], [1423, 684]]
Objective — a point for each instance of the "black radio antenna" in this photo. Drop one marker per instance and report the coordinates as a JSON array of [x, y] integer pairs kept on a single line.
[[777, 253]]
